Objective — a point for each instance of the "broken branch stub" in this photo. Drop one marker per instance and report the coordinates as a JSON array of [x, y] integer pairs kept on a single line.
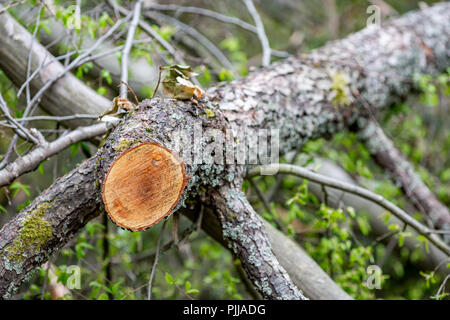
[[143, 185]]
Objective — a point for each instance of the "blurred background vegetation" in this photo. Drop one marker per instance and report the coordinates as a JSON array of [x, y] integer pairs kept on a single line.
[[116, 263]]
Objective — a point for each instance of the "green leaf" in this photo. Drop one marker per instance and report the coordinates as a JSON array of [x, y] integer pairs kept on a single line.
[[105, 20], [107, 76], [394, 227], [364, 225], [192, 291], [351, 212], [225, 75], [103, 91], [230, 44], [18, 186], [79, 249], [424, 240], [169, 278], [3, 209], [41, 168], [103, 296]]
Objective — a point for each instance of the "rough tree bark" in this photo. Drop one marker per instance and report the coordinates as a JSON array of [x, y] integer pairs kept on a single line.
[[294, 96]]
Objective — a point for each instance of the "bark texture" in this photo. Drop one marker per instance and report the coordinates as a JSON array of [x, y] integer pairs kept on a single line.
[[46, 225], [245, 234]]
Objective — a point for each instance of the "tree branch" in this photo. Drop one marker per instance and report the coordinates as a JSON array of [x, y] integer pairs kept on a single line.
[[45, 150], [390, 158], [67, 96], [380, 230], [245, 234], [364, 193], [260, 31], [127, 48]]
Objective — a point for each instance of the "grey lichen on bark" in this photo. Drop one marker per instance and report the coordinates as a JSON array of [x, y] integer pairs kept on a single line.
[[245, 234]]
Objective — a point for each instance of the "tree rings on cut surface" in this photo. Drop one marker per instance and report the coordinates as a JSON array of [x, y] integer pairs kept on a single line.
[[143, 185]]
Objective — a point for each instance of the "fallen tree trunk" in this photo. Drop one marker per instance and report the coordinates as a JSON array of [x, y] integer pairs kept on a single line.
[[295, 96]]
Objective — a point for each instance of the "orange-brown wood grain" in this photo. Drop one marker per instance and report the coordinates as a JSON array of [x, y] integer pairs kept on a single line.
[[143, 185]]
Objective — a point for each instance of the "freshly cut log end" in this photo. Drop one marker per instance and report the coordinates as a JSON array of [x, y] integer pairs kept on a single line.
[[143, 185]]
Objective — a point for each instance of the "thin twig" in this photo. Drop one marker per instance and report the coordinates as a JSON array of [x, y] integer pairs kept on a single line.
[[205, 42], [18, 128], [155, 263], [29, 109], [151, 32], [364, 193], [205, 12], [266, 205], [441, 288], [41, 66], [215, 15], [11, 5], [30, 51], [73, 64], [45, 150], [58, 118], [106, 254], [127, 48], [279, 179], [261, 32]]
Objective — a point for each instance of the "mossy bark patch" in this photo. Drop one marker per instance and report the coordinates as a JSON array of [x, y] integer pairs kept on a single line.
[[34, 233]]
